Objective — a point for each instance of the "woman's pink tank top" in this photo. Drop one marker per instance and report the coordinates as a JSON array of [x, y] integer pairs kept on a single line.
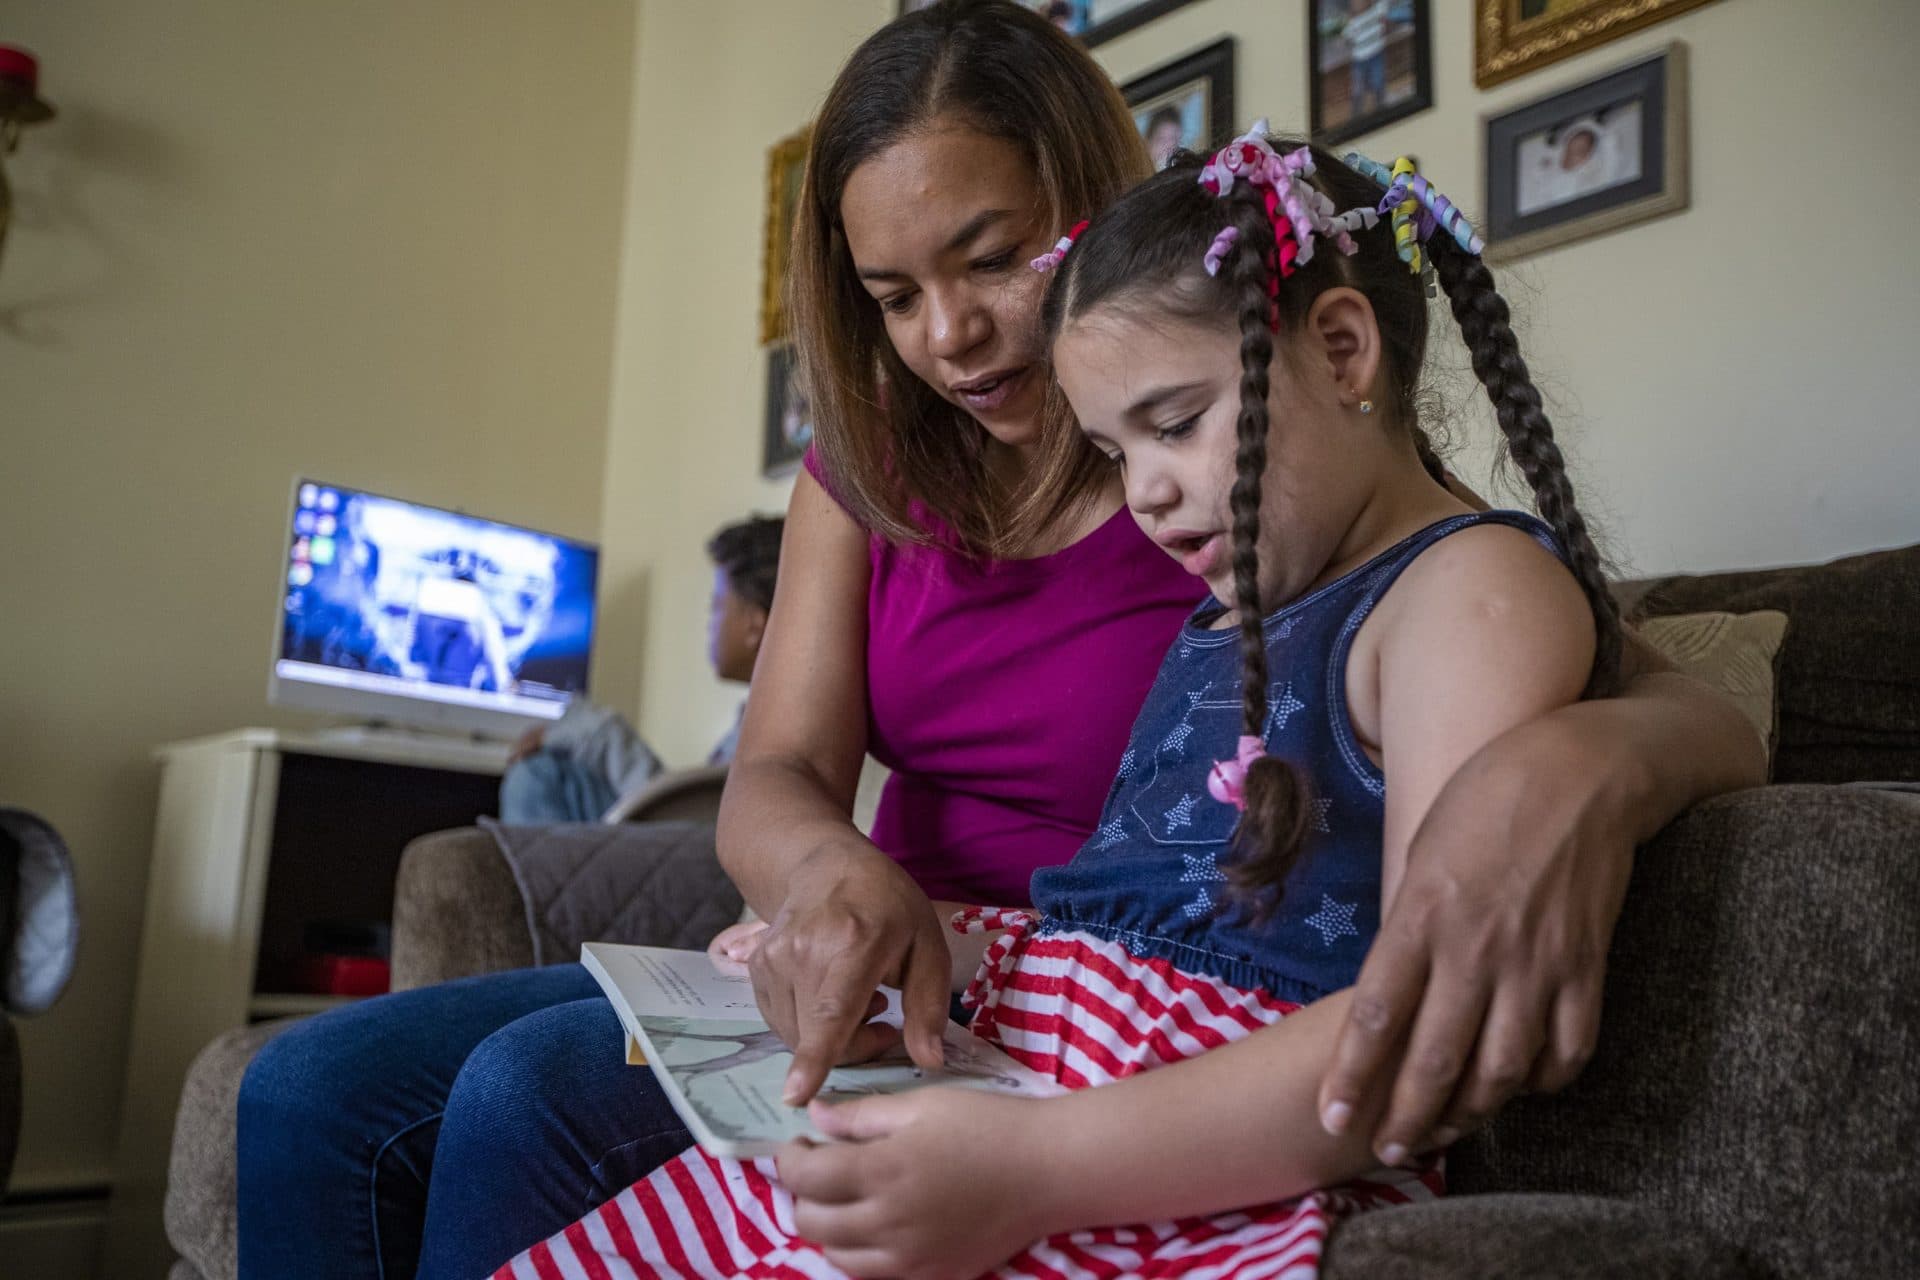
[[1001, 692]]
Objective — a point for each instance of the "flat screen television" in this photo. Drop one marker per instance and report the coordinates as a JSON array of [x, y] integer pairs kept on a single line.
[[393, 611]]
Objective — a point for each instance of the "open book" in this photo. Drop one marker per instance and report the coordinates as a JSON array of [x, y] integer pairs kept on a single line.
[[722, 1066]]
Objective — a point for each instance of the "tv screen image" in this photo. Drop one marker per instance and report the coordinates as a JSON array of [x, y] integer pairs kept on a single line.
[[414, 613]]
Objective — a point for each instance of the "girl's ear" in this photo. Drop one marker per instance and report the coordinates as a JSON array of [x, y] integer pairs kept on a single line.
[[1346, 343]]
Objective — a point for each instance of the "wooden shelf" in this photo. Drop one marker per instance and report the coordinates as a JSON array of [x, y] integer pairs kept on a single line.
[[291, 1003]]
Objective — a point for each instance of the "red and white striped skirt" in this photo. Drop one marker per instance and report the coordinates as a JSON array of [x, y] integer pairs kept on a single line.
[[1075, 1006]]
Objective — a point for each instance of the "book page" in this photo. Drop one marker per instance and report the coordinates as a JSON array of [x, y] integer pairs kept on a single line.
[[660, 980], [724, 1068]]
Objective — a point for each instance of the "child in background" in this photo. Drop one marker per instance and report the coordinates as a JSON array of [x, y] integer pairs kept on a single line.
[[1250, 359], [575, 769]]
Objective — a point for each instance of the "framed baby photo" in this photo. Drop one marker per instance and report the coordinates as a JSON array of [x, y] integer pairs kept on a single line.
[[786, 167], [1513, 37], [789, 414], [1590, 159], [1186, 104], [1369, 63]]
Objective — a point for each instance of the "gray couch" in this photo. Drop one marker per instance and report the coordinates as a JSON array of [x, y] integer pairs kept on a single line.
[[1754, 1108]]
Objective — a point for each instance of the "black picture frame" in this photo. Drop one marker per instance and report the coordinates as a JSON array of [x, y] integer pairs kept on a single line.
[[782, 447], [1075, 17], [1334, 120], [1205, 73], [1638, 110], [1138, 13]]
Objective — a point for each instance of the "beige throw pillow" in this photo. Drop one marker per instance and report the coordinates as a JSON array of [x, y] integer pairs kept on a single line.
[[1732, 652]]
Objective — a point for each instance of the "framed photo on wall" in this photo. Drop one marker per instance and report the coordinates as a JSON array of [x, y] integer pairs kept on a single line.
[[1369, 63], [1590, 159], [1091, 20], [1513, 37], [1095, 21], [786, 166], [789, 414], [1188, 103]]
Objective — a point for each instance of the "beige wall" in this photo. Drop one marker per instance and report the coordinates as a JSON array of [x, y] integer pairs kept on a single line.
[[382, 242], [717, 82], [1733, 382], [372, 241]]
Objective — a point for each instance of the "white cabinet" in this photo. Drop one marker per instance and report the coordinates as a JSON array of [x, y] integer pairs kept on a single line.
[[262, 838]]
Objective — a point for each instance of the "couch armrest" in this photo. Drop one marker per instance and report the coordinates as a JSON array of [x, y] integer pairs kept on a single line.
[[456, 911], [1755, 1069]]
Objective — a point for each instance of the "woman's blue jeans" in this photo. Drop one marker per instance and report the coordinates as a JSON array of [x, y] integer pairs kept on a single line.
[[443, 1129]]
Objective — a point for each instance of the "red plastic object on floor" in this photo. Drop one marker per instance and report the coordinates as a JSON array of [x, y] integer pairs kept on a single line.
[[336, 975]]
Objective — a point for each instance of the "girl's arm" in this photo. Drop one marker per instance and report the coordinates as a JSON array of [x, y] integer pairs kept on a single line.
[[842, 917]]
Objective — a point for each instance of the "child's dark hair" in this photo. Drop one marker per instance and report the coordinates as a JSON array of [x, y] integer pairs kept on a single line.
[[749, 553], [1148, 250]]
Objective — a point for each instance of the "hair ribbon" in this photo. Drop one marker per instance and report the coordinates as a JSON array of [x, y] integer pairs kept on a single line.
[[1054, 256]]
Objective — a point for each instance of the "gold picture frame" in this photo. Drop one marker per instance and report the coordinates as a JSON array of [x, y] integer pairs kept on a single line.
[[786, 167], [1506, 44]]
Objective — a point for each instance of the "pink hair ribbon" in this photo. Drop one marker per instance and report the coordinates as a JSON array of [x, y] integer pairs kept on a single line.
[[1299, 212], [1222, 245], [1054, 256]]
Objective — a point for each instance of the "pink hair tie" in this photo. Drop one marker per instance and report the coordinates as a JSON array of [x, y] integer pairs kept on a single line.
[[1221, 247], [1227, 780], [1054, 256]]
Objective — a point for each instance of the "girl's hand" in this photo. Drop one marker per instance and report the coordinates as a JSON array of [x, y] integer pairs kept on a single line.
[[852, 920], [936, 1184], [734, 945]]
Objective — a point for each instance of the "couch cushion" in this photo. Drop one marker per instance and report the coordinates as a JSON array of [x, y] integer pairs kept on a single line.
[[1849, 688], [1735, 653]]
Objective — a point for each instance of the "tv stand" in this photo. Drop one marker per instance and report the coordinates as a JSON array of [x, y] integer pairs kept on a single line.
[[434, 743], [261, 837]]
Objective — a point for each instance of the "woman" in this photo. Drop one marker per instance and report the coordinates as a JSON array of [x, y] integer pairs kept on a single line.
[[956, 145], [482, 1110]]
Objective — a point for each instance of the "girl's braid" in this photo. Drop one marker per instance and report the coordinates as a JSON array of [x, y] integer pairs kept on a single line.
[[1485, 324], [1273, 824]]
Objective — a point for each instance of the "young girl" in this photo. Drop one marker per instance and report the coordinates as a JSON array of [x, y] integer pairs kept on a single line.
[[1249, 359]]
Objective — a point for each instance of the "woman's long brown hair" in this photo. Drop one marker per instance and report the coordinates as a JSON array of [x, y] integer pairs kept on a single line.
[[886, 438]]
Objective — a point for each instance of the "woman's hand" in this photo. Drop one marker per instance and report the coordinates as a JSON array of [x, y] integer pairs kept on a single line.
[[936, 1184], [1486, 976], [852, 920]]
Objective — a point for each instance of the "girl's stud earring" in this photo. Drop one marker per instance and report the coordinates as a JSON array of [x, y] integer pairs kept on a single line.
[[1366, 406]]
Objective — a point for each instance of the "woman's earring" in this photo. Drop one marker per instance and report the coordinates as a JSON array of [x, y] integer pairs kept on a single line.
[[1366, 406]]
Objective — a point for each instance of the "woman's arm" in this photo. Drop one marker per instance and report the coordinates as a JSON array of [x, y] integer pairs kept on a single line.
[[842, 917], [1514, 882]]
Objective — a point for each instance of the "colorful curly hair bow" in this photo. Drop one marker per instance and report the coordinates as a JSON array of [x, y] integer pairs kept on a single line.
[[1418, 208], [1227, 780], [1300, 213], [1054, 256]]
